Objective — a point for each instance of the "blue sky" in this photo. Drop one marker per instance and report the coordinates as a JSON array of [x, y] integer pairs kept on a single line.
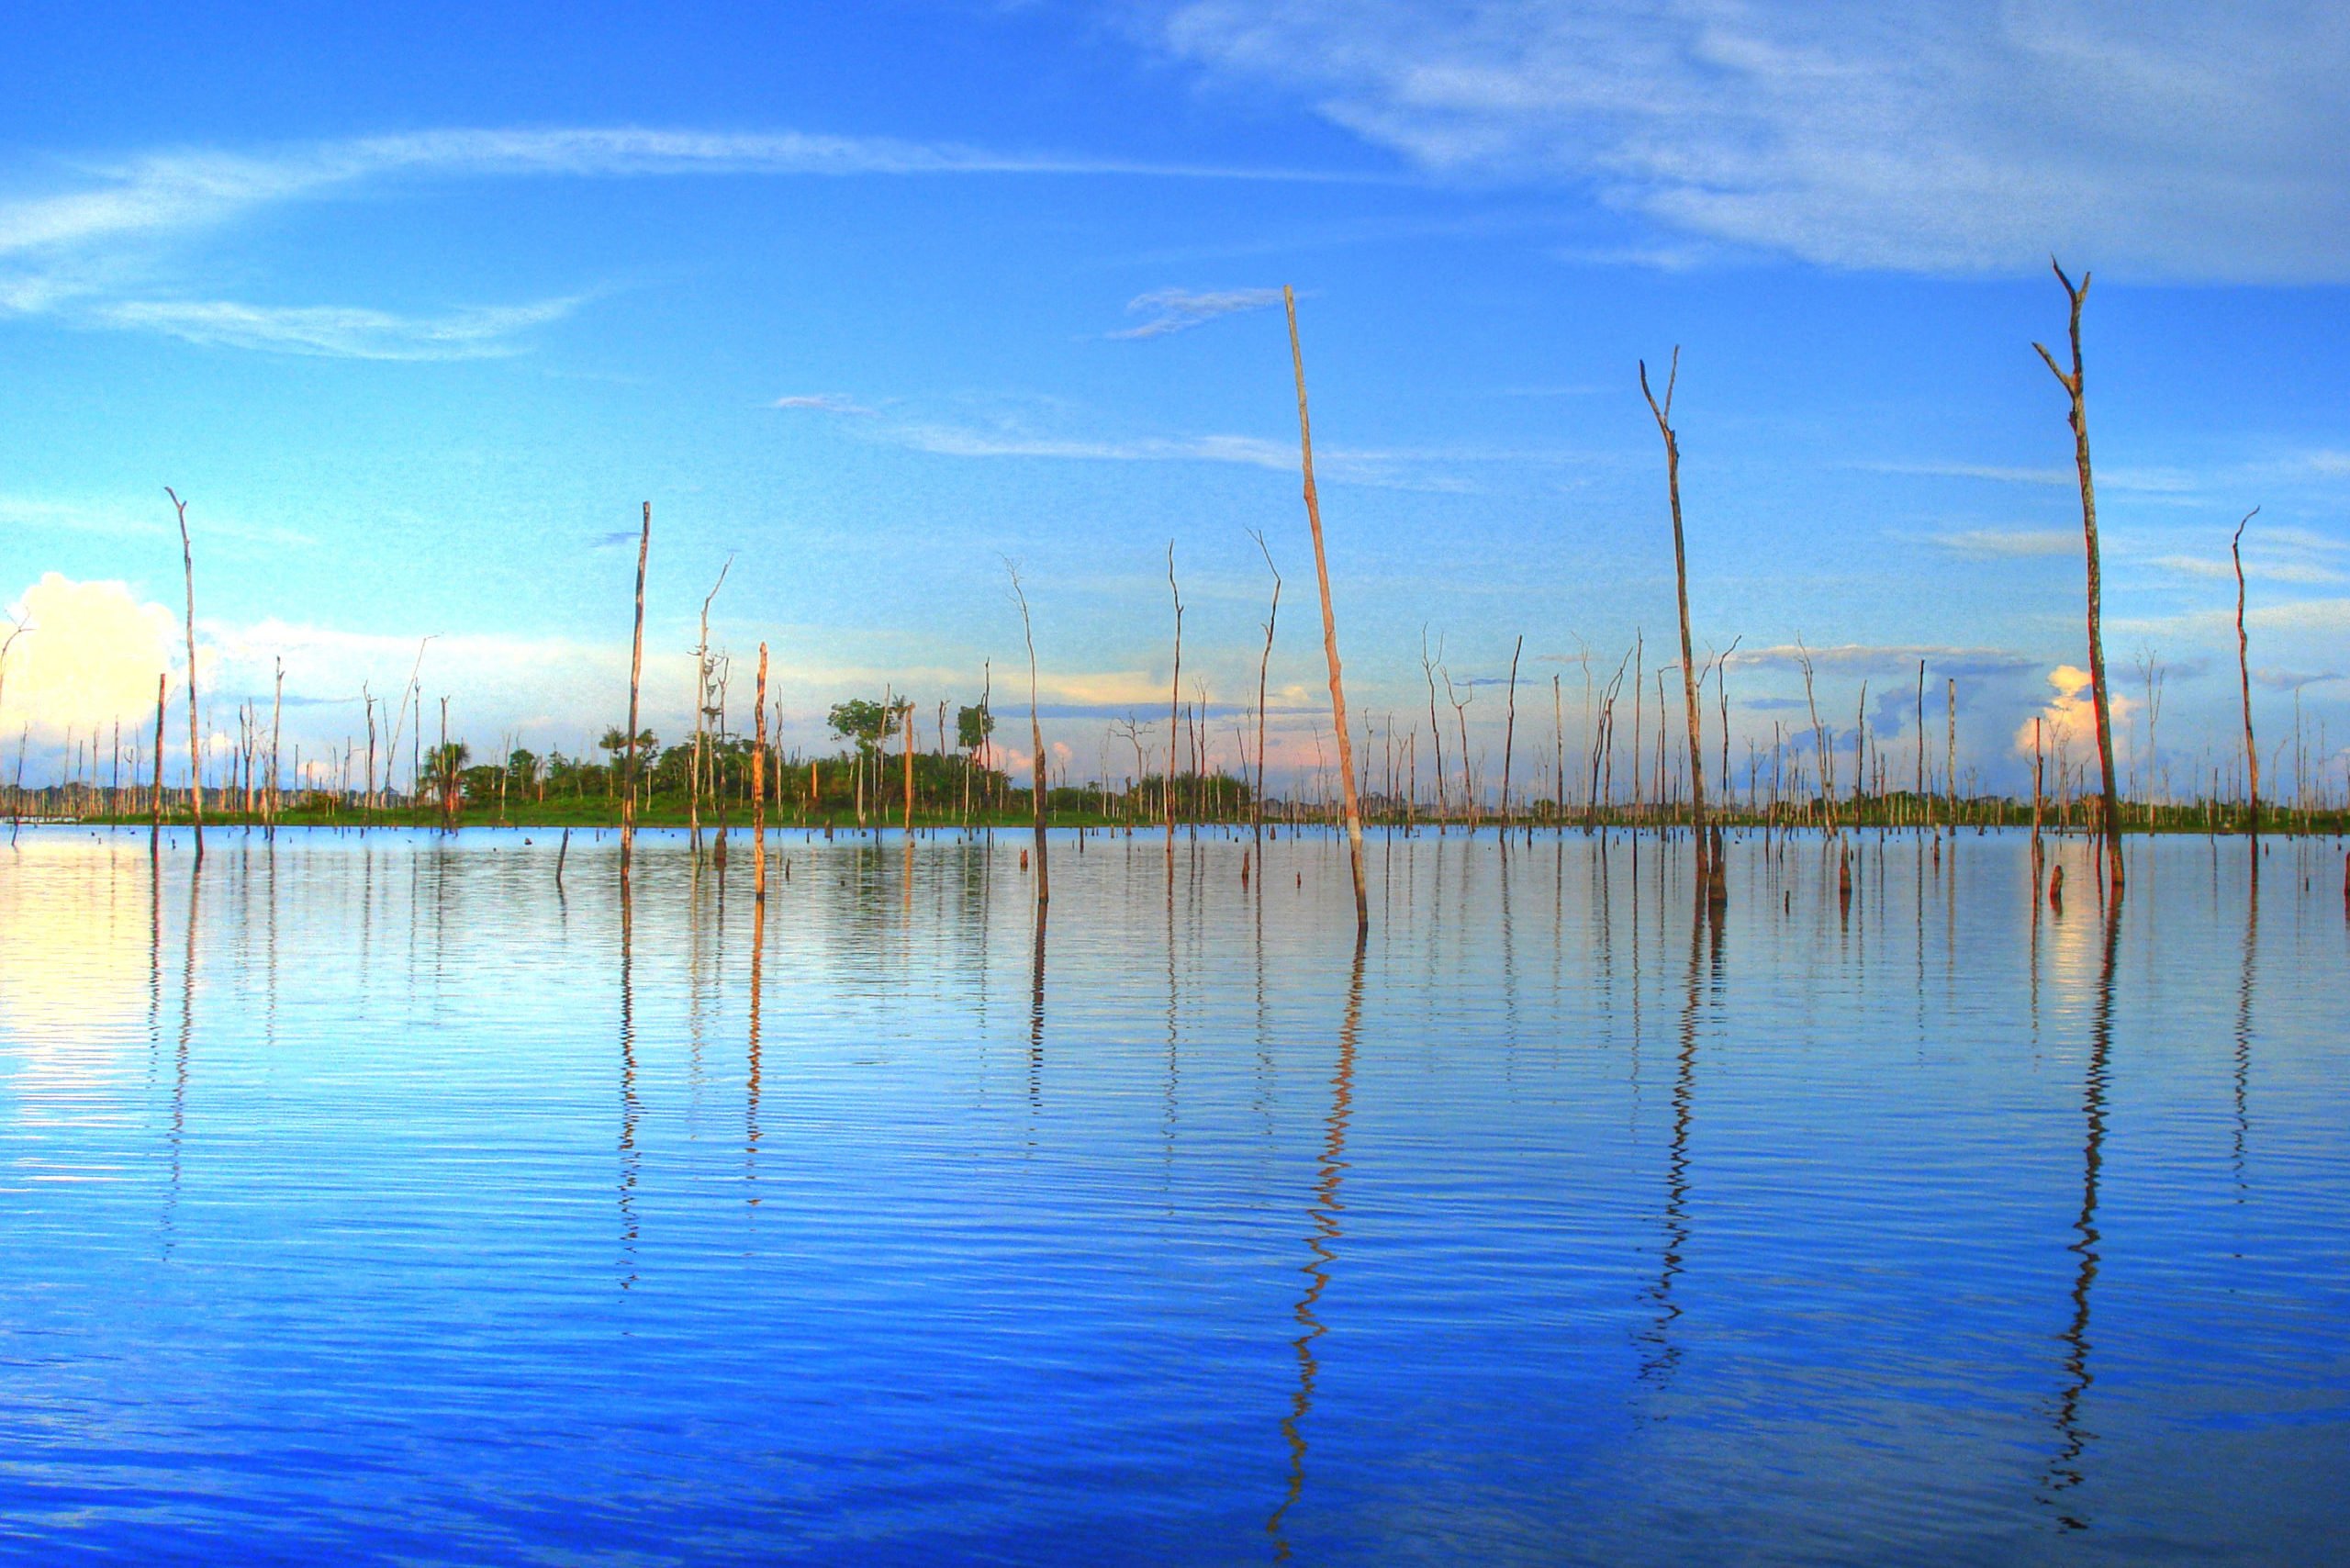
[[416, 312]]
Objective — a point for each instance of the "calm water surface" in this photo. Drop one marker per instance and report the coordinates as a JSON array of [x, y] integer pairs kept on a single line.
[[367, 1200]]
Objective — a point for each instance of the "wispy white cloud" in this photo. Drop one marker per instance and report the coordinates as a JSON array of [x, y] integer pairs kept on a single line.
[[54, 246], [1991, 471], [342, 331], [1170, 311], [1994, 544], [823, 403], [2292, 679], [1866, 657], [2173, 138], [2219, 567], [1019, 435]]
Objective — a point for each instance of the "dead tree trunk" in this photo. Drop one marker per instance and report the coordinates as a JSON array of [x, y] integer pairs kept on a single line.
[[1329, 629], [1509, 734], [1264, 660], [2243, 677], [635, 679], [2110, 825], [155, 827], [1174, 696], [1036, 744], [195, 742], [759, 788], [1663, 412]]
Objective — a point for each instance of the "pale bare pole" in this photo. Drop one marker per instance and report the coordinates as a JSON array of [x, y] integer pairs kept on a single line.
[[1663, 412], [155, 826], [195, 742], [276, 712], [1264, 661], [1037, 745], [1509, 733], [2243, 676], [1329, 627], [2079, 421], [635, 676], [759, 792], [703, 672], [1174, 695]]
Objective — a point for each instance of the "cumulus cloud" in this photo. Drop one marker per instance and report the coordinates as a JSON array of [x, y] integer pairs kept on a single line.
[[2167, 138], [88, 655], [2068, 718]]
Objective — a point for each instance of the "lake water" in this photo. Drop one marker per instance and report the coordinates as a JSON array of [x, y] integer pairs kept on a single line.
[[370, 1200]]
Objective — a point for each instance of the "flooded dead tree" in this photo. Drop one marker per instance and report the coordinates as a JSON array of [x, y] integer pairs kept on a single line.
[[1329, 629], [635, 679], [195, 740], [1663, 412], [1037, 742], [2243, 677], [1264, 660], [2109, 824]]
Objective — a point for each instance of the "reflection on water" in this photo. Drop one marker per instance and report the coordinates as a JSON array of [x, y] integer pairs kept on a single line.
[[1889, 1211], [1321, 1243]]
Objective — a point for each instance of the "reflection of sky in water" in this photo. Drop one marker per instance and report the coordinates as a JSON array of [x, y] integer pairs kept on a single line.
[[1571, 1235]]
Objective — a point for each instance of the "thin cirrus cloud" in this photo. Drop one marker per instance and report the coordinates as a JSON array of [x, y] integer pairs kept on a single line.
[[2172, 138], [61, 253], [2005, 543], [342, 331], [1428, 469], [1170, 311]]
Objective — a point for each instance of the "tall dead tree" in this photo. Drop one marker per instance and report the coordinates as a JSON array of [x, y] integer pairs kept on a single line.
[[759, 793], [635, 679], [1509, 734], [1329, 628], [1174, 698], [1036, 744], [2243, 677], [195, 742], [1264, 660], [2078, 418], [1663, 412]]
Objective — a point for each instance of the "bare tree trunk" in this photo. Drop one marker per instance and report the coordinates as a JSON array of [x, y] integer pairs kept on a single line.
[[155, 827], [1174, 694], [759, 794], [635, 679], [1509, 734], [195, 742], [1264, 661], [1037, 744], [1663, 412], [278, 706], [1329, 629], [2243, 676], [2111, 823]]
